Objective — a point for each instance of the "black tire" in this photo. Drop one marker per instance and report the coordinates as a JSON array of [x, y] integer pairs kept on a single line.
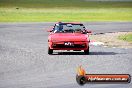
[[81, 80], [86, 51], [50, 51]]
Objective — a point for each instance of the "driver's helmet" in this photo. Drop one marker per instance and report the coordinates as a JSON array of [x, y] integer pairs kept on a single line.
[[57, 25]]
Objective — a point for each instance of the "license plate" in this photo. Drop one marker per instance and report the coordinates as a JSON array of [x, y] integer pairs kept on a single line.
[[68, 44]]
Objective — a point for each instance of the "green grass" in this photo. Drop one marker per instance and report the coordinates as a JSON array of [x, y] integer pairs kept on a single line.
[[63, 10], [63, 3], [127, 37]]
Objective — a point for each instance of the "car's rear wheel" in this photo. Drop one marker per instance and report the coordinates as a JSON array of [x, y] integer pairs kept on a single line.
[[50, 51], [86, 51]]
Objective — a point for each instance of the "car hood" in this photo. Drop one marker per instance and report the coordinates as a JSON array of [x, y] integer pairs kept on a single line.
[[68, 37]]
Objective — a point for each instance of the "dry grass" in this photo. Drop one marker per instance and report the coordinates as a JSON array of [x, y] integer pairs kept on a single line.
[[112, 40]]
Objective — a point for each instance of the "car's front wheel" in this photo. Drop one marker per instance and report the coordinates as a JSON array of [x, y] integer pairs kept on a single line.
[[86, 51], [50, 51]]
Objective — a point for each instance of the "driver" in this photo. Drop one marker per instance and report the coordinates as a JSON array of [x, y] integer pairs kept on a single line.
[[59, 27]]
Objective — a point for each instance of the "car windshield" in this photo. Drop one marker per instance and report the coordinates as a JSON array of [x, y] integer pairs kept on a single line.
[[69, 28]]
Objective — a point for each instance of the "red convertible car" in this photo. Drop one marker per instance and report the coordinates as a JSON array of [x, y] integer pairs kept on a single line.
[[68, 36]]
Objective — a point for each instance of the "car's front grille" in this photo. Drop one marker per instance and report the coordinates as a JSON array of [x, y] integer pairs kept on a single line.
[[67, 46]]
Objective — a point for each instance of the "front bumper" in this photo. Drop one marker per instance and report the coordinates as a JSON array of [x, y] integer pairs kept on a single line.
[[81, 45]]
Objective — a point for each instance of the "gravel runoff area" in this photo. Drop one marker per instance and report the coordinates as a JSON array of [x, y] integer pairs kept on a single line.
[[24, 62], [111, 39]]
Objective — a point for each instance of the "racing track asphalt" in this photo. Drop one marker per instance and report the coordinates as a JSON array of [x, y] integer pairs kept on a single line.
[[24, 62]]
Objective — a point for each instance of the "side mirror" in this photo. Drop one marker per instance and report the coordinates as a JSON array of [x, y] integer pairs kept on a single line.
[[49, 30], [89, 31]]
